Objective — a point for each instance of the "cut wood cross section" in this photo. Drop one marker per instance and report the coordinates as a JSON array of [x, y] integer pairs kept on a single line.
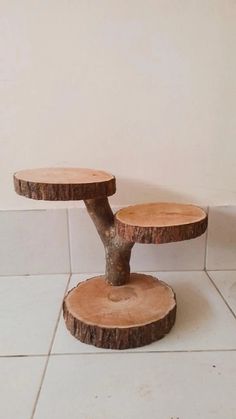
[[118, 310], [160, 222], [67, 184]]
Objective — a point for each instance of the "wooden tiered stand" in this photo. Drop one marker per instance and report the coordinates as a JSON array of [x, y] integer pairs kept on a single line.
[[120, 309]]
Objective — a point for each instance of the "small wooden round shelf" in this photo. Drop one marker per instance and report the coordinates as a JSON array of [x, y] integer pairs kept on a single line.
[[160, 222], [118, 310], [64, 184], [135, 314]]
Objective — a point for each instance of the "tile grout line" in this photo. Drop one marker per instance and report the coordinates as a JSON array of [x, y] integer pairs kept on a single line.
[[221, 270], [220, 293], [121, 352], [68, 239], [117, 352], [59, 316], [26, 275], [40, 388], [49, 352], [206, 243], [100, 273], [147, 271], [24, 356]]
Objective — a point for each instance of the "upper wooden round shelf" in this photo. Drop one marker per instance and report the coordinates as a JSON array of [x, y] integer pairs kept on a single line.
[[64, 184], [160, 222]]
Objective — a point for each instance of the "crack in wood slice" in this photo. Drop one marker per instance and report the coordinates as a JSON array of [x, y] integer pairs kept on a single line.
[[64, 184], [160, 222], [135, 314]]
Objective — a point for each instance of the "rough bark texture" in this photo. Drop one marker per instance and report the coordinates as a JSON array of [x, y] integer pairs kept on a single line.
[[159, 235], [160, 222], [120, 310], [117, 335], [62, 191], [118, 255], [117, 249]]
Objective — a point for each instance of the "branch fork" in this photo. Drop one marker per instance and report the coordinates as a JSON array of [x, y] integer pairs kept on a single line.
[[117, 249]]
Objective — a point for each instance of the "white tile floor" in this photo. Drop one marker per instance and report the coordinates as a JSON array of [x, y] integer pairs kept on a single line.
[[191, 373]]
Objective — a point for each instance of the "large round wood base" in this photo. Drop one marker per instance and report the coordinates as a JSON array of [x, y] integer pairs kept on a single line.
[[135, 314]]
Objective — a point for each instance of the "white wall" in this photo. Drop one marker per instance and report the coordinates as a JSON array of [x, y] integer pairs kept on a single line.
[[144, 89]]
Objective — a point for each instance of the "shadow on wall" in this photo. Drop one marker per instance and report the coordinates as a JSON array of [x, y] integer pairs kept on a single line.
[[221, 253], [132, 191]]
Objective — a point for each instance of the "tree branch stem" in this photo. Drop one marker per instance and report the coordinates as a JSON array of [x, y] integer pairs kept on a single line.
[[117, 250]]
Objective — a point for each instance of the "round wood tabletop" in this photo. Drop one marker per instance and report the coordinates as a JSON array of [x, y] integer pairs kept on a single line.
[[135, 314], [64, 184], [160, 222]]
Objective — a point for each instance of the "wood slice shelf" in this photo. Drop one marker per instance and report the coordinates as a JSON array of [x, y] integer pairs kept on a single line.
[[135, 314], [64, 184], [118, 310], [160, 222]]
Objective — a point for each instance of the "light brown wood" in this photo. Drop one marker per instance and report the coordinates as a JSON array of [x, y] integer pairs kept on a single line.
[[135, 314], [160, 214], [160, 222], [117, 250], [118, 310], [62, 184]]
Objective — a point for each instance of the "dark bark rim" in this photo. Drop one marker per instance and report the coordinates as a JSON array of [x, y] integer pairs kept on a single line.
[[162, 234], [48, 188]]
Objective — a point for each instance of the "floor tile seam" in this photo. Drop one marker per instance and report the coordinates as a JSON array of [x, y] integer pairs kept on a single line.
[[221, 270], [142, 271], [69, 240], [40, 387], [59, 316], [206, 241], [25, 355], [143, 352], [48, 355], [27, 275], [101, 273], [52, 354], [221, 295]]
